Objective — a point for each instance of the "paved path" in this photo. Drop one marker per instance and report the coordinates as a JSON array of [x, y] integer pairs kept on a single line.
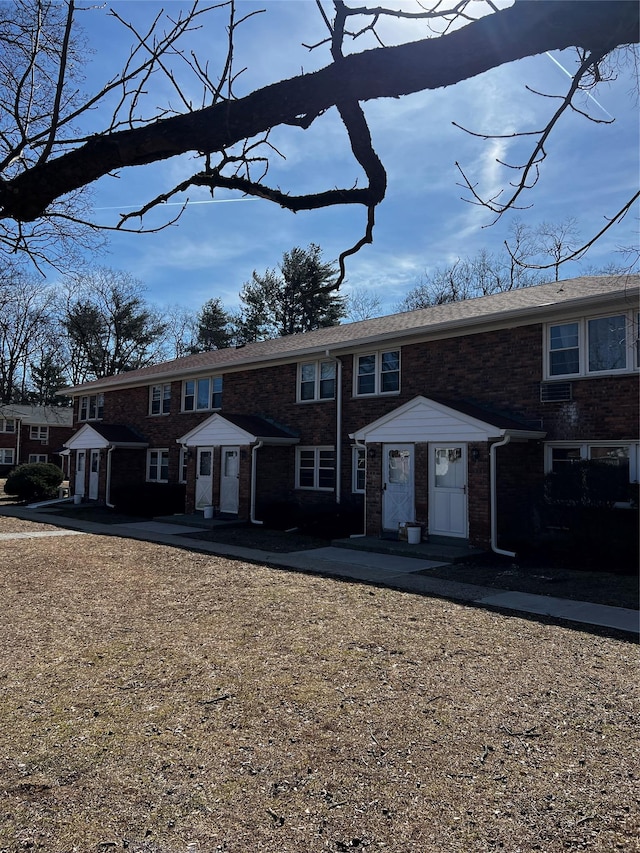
[[403, 573]]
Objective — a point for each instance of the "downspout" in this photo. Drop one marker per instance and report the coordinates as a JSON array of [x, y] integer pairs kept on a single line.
[[338, 425], [254, 453], [18, 429], [494, 497], [107, 491]]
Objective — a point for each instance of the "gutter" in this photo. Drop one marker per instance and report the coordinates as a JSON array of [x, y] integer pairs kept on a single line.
[[252, 511], [494, 500]]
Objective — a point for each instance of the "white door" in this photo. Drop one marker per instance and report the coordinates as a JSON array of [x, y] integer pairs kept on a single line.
[[398, 503], [204, 477], [448, 514], [79, 484], [229, 478], [94, 474]]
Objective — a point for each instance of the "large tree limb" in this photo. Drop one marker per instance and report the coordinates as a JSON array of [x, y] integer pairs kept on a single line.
[[526, 29]]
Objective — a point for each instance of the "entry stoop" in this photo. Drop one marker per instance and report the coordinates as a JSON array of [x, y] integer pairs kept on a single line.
[[443, 549]]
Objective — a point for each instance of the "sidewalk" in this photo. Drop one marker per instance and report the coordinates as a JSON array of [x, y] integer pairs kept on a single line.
[[402, 573]]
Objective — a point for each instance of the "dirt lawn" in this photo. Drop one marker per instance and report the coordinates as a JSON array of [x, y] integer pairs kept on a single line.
[[162, 701]]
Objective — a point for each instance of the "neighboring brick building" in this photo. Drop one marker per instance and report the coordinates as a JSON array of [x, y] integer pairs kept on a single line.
[[33, 434], [448, 415]]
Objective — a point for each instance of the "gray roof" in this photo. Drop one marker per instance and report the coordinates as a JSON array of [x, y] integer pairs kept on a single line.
[[38, 415], [510, 308]]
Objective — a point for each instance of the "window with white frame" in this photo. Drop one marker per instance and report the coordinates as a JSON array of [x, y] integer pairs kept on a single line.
[[91, 407], [7, 455], [39, 433], [377, 373], [38, 457], [316, 380], [592, 345], [184, 458], [200, 395], [7, 425], [160, 399], [158, 466], [358, 469], [623, 458], [315, 468]]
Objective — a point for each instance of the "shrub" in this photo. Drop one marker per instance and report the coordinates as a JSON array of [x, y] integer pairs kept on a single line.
[[34, 481], [149, 499]]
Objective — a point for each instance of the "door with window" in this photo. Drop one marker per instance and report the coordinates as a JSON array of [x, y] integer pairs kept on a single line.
[[398, 501], [94, 474], [229, 479], [204, 477], [448, 509], [78, 488]]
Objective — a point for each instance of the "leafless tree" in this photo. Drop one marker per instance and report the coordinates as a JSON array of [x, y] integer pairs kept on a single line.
[[363, 304], [51, 148]]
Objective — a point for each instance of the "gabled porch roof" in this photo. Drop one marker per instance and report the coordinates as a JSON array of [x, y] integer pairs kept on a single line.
[[426, 419], [96, 436], [236, 429]]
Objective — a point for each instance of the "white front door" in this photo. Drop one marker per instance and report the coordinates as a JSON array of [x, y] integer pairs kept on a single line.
[[94, 474], [448, 515], [398, 503], [204, 477], [229, 479], [79, 484]]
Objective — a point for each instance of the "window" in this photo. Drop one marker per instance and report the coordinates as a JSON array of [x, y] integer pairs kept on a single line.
[[160, 399], [315, 468], [317, 380], [183, 464], [358, 469], [38, 457], [378, 373], [621, 460], [158, 466], [39, 433], [91, 407], [6, 455], [7, 425], [593, 345], [202, 394]]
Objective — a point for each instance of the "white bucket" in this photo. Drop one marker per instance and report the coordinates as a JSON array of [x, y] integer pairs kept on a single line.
[[208, 512], [414, 535]]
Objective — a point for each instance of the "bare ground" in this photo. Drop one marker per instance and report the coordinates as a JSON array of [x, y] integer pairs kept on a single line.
[[162, 701]]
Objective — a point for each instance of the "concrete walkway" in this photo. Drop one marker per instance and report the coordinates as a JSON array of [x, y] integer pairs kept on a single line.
[[403, 573]]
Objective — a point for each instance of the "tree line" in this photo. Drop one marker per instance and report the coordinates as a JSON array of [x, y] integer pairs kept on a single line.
[[98, 322]]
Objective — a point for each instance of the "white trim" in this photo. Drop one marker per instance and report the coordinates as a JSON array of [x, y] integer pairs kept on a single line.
[[160, 451], [317, 380], [210, 378], [10, 451], [163, 386], [377, 373], [356, 451], [582, 323], [317, 467]]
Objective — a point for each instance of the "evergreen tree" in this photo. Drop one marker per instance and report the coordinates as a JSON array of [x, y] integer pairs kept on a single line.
[[213, 327], [299, 297]]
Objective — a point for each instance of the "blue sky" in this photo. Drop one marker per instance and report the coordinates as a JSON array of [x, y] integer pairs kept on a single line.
[[590, 171]]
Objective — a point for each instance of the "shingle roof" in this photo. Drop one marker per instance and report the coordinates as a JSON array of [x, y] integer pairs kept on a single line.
[[531, 304], [118, 434], [260, 427], [38, 415]]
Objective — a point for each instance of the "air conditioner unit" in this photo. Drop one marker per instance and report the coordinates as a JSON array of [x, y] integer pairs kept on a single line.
[[555, 392]]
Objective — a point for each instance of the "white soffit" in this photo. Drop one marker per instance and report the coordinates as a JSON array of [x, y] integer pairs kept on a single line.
[[422, 419], [215, 431]]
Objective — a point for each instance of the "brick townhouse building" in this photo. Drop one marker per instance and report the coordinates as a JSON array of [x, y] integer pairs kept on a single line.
[[449, 415], [33, 434]]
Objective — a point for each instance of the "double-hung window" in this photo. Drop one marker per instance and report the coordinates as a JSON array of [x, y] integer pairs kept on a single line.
[[317, 380], [91, 407], [7, 425], [160, 399], [377, 373], [6, 455], [201, 395], [38, 457], [39, 433], [158, 466], [622, 460], [315, 468], [593, 345]]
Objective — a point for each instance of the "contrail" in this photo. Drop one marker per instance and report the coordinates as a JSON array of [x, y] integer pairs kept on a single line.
[[175, 203], [569, 74]]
